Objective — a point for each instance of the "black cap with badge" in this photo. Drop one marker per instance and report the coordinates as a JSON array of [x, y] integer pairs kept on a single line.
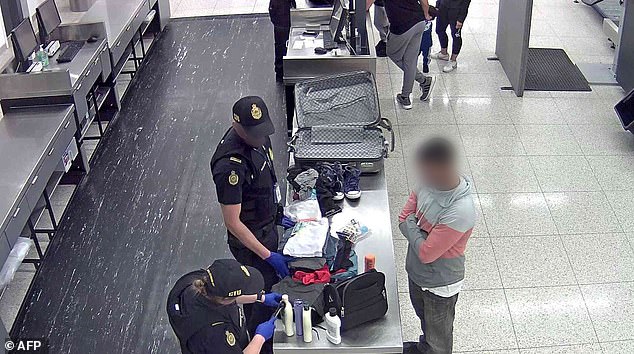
[[253, 115], [229, 278]]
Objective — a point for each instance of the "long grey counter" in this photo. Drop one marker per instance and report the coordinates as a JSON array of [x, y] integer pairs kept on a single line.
[[381, 336]]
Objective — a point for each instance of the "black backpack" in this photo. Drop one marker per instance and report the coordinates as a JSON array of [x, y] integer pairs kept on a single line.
[[358, 300]]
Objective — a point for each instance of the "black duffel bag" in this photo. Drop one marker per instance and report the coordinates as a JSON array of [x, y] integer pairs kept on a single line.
[[358, 300]]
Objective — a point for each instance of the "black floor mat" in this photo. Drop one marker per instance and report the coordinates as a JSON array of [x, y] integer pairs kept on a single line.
[[552, 70], [147, 212]]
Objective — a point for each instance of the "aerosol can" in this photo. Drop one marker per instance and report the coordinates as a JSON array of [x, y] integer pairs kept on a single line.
[[307, 324], [288, 316], [298, 308]]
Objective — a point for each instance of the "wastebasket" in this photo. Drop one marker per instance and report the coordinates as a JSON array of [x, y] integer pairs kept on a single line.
[[625, 110]]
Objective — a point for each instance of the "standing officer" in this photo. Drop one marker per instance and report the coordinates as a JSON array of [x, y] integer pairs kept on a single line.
[[203, 309], [249, 196], [280, 13]]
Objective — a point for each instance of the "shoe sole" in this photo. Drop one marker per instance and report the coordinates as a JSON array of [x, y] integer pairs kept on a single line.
[[406, 107], [353, 197], [448, 71], [338, 198], [431, 89]]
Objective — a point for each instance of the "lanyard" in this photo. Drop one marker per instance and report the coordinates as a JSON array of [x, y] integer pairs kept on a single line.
[[268, 162]]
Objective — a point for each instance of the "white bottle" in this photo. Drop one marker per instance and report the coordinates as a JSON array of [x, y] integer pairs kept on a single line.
[[307, 324], [333, 326], [288, 316]]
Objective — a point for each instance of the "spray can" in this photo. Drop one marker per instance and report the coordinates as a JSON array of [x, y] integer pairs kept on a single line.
[[370, 262], [288, 316], [307, 323], [298, 308]]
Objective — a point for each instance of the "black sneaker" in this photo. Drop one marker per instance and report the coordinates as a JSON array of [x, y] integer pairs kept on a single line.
[[411, 348], [426, 88], [404, 101], [381, 49], [425, 68]]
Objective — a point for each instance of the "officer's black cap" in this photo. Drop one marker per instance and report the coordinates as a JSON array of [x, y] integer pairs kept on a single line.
[[229, 278], [253, 115]]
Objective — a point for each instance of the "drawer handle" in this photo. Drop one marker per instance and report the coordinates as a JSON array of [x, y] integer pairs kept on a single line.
[[66, 125], [128, 28], [87, 73], [17, 211], [34, 181], [118, 43], [104, 49], [80, 85], [51, 152]]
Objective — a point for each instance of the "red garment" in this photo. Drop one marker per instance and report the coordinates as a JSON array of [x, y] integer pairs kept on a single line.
[[320, 276]]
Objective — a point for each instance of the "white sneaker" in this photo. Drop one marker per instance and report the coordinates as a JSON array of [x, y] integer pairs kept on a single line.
[[439, 56], [451, 66]]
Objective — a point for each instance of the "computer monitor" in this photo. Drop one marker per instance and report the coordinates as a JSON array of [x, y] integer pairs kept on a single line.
[[48, 19], [338, 19], [24, 41]]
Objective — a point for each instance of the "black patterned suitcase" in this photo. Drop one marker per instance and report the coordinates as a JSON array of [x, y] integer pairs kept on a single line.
[[339, 119]]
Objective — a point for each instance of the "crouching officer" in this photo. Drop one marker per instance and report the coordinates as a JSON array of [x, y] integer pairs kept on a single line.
[[203, 309], [242, 168]]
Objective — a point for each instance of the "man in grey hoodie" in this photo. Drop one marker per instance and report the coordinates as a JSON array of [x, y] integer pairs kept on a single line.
[[437, 221]]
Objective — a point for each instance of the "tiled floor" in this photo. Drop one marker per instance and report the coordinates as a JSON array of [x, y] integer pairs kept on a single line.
[[550, 267]]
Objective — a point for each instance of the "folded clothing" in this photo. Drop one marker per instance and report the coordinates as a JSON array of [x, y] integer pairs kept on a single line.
[[307, 264], [319, 276], [345, 274], [307, 239], [311, 294]]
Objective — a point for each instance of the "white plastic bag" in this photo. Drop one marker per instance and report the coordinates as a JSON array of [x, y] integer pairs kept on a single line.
[[306, 210], [14, 260]]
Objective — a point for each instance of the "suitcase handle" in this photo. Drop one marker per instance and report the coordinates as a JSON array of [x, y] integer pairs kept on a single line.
[[387, 125]]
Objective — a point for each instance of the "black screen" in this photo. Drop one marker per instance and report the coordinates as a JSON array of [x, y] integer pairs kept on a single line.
[[24, 40], [48, 16]]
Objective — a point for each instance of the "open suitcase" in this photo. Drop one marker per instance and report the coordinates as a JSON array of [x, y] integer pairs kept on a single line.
[[339, 120]]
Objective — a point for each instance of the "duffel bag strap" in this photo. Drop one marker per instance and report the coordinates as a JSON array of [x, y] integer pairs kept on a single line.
[[331, 299]]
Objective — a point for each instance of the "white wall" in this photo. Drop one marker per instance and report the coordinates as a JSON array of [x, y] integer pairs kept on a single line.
[[3, 36], [33, 4]]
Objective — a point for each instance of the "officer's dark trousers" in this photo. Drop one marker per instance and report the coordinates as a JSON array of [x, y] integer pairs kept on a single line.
[[258, 313], [281, 37]]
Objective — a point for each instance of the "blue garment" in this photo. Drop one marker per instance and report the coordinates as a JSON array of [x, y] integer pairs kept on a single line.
[[427, 42]]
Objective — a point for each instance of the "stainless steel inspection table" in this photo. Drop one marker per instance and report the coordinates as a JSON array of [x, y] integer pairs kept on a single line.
[[381, 336]]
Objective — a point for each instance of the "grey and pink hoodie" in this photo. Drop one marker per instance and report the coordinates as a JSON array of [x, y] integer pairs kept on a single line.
[[437, 225]]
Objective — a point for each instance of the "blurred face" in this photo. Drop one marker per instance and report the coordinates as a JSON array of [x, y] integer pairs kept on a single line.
[[437, 176], [251, 140]]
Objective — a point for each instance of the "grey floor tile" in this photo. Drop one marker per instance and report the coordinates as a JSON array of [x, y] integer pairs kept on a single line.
[[600, 258], [470, 85], [397, 201], [613, 172], [400, 252], [549, 316], [582, 212], [611, 308], [594, 348], [532, 261], [564, 173], [604, 140], [480, 110], [622, 203], [410, 324], [435, 111], [517, 214], [483, 322], [412, 135], [481, 269], [503, 174], [396, 176], [491, 140], [620, 347], [548, 140], [527, 110], [480, 229]]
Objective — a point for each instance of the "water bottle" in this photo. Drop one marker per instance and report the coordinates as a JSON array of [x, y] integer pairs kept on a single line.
[[307, 323], [298, 308]]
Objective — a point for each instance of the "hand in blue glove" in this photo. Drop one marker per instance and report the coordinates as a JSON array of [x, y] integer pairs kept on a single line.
[[266, 329], [279, 263], [272, 299]]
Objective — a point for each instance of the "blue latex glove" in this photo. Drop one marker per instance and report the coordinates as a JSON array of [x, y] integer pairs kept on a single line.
[[266, 329], [272, 299], [279, 263]]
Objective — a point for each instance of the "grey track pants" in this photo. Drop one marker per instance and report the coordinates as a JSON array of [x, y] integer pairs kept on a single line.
[[404, 49]]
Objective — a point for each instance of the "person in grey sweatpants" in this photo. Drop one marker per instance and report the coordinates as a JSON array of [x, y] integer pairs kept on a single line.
[[404, 49]]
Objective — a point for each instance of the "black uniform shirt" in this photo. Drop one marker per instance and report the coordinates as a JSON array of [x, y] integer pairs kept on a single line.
[[217, 338], [403, 14], [245, 175]]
